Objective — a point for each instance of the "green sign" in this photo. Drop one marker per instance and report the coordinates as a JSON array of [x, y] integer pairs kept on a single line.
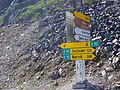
[[66, 57], [94, 43], [66, 51]]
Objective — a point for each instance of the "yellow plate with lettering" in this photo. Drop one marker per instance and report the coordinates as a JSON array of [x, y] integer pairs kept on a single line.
[[82, 57], [81, 50], [75, 44], [81, 16]]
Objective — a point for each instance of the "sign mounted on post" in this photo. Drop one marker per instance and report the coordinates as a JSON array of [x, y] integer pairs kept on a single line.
[[81, 16], [82, 27], [79, 37], [78, 51], [79, 57], [81, 23], [82, 32], [75, 44], [95, 43]]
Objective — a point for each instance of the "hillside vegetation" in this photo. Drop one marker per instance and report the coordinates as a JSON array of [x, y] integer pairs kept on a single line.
[[29, 10]]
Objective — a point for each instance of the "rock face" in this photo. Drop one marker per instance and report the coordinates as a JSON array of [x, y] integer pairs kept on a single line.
[[4, 4]]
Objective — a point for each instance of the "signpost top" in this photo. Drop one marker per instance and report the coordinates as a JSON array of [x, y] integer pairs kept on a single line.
[[81, 16]]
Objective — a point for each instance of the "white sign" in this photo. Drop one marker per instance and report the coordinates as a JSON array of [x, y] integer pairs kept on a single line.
[[80, 37], [82, 31]]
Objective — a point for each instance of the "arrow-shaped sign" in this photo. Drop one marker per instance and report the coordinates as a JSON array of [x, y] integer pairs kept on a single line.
[[78, 51], [81, 24], [79, 57], [81, 16], [75, 44], [79, 37], [82, 31]]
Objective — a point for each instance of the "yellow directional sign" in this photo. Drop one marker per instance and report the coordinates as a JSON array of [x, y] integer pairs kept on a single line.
[[77, 51], [75, 44], [82, 57], [81, 50], [81, 16]]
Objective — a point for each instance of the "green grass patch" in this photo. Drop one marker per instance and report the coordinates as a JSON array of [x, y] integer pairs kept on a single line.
[[35, 7], [30, 10], [24, 14], [49, 2], [33, 11], [89, 1], [1, 19], [36, 17], [31, 7]]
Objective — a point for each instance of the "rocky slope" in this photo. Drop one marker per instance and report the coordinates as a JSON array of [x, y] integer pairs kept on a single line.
[[30, 58], [4, 4]]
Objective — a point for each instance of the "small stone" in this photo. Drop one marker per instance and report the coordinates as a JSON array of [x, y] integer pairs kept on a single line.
[[40, 67], [2, 34], [34, 53], [9, 25], [1, 57], [115, 59], [119, 17], [60, 71], [25, 83], [42, 73], [22, 34], [115, 40], [100, 64], [117, 84], [55, 75], [109, 69], [56, 83], [63, 74], [24, 57], [8, 47], [22, 74], [111, 77], [8, 79], [103, 73], [17, 87], [37, 77]]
